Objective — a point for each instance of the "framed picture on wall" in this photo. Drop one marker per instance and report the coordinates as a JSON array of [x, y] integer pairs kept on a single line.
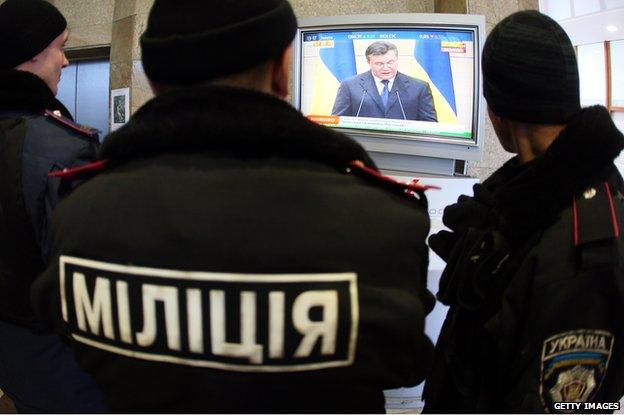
[[119, 107]]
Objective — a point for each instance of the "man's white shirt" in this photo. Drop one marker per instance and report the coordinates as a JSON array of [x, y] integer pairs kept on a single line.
[[380, 85]]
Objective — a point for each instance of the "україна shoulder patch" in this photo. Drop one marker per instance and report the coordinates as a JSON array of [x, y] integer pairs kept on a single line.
[[573, 365]]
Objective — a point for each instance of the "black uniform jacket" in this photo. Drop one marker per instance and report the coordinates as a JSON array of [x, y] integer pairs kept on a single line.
[[228, 259], [31, 145], [534, 282]]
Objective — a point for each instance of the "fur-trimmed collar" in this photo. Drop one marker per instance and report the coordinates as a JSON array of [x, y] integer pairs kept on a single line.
[[529, 197], [225, 120], [24, 91]]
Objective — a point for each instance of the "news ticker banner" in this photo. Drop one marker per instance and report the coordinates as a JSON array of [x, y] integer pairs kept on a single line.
[[392, 125], [453, 37]]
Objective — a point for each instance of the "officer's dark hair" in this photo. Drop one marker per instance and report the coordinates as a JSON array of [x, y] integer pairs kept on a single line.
[[380, 48]]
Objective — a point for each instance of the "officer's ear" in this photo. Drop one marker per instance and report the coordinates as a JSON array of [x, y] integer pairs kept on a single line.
[[501, 128], [156, 87], [281, 73]]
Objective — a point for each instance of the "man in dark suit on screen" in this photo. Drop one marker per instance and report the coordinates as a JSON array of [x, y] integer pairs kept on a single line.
[[383, 92]]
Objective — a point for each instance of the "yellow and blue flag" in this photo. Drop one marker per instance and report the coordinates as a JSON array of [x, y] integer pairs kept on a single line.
[[437, 64]]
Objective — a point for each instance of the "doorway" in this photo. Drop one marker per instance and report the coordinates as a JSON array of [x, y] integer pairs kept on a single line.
[[84, 90]]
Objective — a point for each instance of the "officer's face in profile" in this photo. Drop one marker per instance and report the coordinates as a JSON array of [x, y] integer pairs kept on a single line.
[[384, 66], [48, 64]]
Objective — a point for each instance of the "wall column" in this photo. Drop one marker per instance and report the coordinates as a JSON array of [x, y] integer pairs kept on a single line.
[[129, 22]]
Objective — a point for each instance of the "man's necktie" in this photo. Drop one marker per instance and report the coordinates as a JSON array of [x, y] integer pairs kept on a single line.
[[385, 93]]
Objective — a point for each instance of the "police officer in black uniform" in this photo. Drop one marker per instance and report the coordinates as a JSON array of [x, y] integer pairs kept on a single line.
[[232, 255], [534, 259], [37, 136]]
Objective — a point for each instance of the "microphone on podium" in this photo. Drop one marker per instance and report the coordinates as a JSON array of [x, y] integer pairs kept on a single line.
[[401, 104], [364, 93]]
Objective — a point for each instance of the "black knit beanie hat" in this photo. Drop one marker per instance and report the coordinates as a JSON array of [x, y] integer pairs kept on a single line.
[[191, 41], [27, 27], [530, 72]]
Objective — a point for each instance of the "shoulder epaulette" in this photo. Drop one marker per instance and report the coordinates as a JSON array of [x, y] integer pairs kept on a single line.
[[357, 167], [594, 216], [83, 172], [67, 123]]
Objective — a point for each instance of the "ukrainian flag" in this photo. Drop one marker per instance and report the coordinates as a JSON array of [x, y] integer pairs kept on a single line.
[[433, 65], [438, 65], [336, 64]]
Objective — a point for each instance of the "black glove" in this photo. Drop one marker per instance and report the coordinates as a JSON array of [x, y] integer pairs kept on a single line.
[[442, 243], [470, 212]]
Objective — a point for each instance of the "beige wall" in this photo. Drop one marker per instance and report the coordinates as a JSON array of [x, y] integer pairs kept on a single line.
[[89, 21], [309, 8]]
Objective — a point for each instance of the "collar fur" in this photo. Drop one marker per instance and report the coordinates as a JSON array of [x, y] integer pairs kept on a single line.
[[533, 195], [226, 120], [24, 91]]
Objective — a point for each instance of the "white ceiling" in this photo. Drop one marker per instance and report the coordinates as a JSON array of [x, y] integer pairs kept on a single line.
[[586, 21]]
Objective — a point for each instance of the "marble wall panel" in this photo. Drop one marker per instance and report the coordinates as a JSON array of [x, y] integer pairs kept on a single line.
[[494, 11], [89, 36], [310, 8], [528, 4], [120, 75], [89, 21], [123, 36], [450, 6], [124, 9], [86, 12]]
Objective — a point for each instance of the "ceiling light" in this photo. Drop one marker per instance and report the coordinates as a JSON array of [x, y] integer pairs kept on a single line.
[[612, 28]]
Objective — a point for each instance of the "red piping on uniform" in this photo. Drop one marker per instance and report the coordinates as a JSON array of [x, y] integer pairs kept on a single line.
[[575, 220], [61, 120], [69, 124], [73, 172], [411, 186], [616, 228]]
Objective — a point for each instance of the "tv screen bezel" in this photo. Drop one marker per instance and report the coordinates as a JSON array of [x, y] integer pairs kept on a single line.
[[397, 142]]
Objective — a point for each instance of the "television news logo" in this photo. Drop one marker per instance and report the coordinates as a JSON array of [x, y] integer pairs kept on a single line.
[[586, 406]]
